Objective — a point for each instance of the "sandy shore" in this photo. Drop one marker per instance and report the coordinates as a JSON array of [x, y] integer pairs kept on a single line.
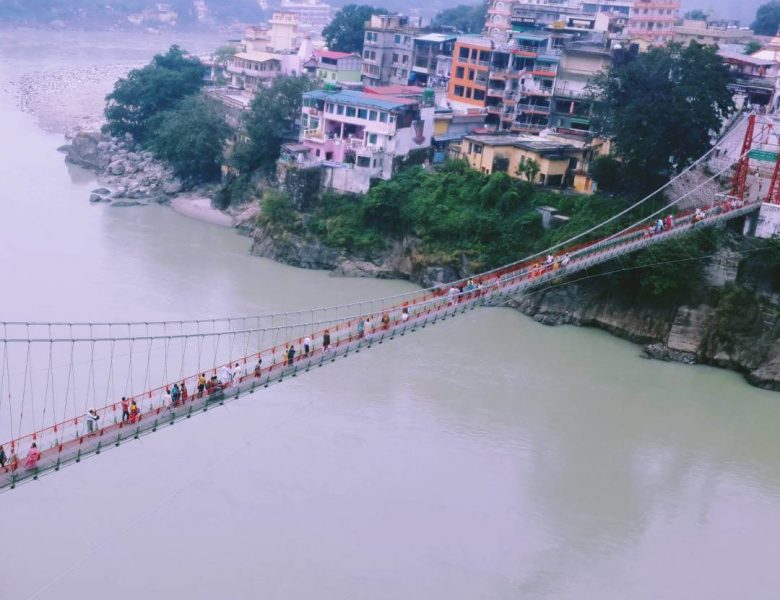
[[199, 207]]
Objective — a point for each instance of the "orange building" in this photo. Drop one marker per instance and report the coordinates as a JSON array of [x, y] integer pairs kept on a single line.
[[469, 74]]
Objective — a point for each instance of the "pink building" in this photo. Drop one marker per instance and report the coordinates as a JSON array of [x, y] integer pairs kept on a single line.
[[654, 20]]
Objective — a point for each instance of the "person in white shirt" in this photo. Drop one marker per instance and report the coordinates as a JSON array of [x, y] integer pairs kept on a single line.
[[307, 346]]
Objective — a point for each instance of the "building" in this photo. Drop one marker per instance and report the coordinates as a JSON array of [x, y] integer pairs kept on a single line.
[[557, 161], [313, 15], [432, 60], [572, 106], [755, 79], [355, 137], [388, 49], [498, 22], [250, 70], [469, 73], [283, 32], [654, 20], [709, 34], [338, 67]]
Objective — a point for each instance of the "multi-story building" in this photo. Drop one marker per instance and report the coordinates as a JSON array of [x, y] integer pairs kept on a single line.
[[388, 49], [357, 136], [432, 59], [250, 70], [469, 73], [313, 15], [709, 34], [756, 80], [283, 32], [572, 106], [498, 22], [338, 67], [654, 20]]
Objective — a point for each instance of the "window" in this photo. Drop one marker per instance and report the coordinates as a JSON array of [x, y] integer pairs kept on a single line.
[[314, 124], [471, 147], [397, 39], [404, 73], [363, 161], [468, 92], [328, 107], [460, 72], [372, 138], [304, 120], [351, 111], [366, 54], [372, 115], [463, 54], [383, 117], [458, 90], [479, 95], [339, 109], [406, 37], [477, 149], [362, 113], [405, 58], [471, 74], [395, 58]]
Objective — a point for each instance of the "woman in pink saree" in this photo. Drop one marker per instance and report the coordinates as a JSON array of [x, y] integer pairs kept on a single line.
[[32, 457]]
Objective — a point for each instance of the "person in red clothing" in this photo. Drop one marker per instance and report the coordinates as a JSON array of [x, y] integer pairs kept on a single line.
[[184, 393], [133, 411], [125, 409], [32, 457]]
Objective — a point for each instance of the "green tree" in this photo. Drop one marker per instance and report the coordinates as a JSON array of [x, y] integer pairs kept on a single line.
[[346, 31], [767, 18], [191, 138], [529, 169], [662, 108], [696, 15], [272, 116], [467, 18], [752, 47], [606, 172], [223, 54], [155, 88]]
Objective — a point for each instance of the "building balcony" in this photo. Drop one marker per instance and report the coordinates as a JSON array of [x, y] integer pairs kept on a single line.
[[533, 110], [542, 92], [494, 109], [563, 91], [268, 74], [544, 73], [527, 127], [495, 92]]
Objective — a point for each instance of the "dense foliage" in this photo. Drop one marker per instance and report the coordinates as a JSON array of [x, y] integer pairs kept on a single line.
[[152, 89], [270, 120], [696, 15], [661, 109], [346, 31], [767, 18], [465, 18], [190, 137]]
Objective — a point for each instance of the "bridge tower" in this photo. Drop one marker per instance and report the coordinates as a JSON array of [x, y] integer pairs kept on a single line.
[[739, 181]]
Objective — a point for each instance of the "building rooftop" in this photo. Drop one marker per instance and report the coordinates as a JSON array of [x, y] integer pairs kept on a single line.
[[746, 59], [435, 37], [360, 98], [394, 90], [332, 54], [525, 142], [258, 56]]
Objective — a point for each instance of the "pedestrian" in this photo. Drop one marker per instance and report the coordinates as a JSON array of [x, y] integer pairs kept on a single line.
[[385, 321], [224, 375], [361, 327], [290, 355], [2, 457], [165, 398], [405, 314], [259, 367], [211, 385], [184, 392], [306, 345], [175, 395], [92, 419], [32, 457], [133, 411], [125, 409], [13, 460], [238, 373], [201, 384], [326, 340]]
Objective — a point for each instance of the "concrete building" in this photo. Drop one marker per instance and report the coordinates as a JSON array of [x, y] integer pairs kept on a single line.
[[338, 67], [572, 106], [283, 32], [313, 15], [388, 49], [654, 20], [250, 70], [355, 137], [470, 69], [432, 60], [755, 79], [708, 34], [557, 161]]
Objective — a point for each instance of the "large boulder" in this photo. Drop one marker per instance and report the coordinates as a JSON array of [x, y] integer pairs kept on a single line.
[[172, 186], [87, 150], [117, 168]]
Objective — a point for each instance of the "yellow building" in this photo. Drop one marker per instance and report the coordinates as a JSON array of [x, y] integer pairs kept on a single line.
[[557, 161]]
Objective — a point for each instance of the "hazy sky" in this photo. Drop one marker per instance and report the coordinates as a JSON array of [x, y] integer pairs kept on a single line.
[[744, 10]]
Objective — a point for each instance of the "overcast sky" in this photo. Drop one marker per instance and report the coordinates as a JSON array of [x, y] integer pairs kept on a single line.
[[744, 10]]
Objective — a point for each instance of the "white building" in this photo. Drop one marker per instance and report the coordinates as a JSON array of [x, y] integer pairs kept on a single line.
[[313, 15]]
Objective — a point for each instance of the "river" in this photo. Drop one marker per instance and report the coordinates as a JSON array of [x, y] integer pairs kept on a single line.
[[485, 457]]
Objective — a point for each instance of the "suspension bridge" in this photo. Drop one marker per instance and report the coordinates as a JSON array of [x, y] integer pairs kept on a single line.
[[70, 390]]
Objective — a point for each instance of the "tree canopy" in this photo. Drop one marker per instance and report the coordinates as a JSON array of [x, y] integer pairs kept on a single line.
[[468, 18], [662, 107], [767, 18], [697, 15], [191, 138], [271, 118], [152, 89], [346, 31]]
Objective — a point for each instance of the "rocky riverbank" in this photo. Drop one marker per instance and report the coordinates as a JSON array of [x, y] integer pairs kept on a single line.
[[129, 175]]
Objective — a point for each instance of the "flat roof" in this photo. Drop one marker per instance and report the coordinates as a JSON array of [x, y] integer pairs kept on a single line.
[[258, 56], [360, 98], [435, 37], [747, 59], [333, 54], [531, 143]]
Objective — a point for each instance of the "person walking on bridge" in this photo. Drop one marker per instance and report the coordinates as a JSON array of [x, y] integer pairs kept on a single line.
[[307, 346], [33, 456], [175, 395], [201, 384], [326, 340], [2, 457], [290, 356], [92, 419], [125, 409], [184, 393], [133, 411]]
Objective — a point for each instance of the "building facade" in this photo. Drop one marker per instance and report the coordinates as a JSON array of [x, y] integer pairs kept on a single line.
[[654, 20], [251, 70], [470, 69], [313, 15], [338, 67], [388, 49], [432, 60]]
